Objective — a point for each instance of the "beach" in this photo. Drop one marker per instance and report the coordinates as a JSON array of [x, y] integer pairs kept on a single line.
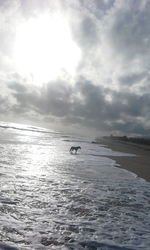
[[138, 164], [54, 199]]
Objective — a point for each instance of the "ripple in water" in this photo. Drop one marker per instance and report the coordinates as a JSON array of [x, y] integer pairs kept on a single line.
[[50, 199]]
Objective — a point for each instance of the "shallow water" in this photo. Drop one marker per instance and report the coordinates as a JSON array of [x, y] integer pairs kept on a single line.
[[51, 199]]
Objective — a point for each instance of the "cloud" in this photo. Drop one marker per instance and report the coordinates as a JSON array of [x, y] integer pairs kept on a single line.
[[115, 44], [112, 84], [85, 105], [132, 79], [127, 32], [3, 105], [87, 33], [51, 99]]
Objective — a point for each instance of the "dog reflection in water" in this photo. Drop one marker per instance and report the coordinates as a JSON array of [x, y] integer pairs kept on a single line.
[[74, 149]]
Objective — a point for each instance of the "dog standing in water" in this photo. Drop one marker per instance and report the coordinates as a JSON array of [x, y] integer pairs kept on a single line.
[[74, 149]]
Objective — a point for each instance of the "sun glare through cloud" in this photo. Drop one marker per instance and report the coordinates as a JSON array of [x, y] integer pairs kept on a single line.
[[76, 66], [44, 49]]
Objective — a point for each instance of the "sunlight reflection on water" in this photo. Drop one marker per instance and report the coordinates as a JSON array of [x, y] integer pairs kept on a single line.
[[51, 199]]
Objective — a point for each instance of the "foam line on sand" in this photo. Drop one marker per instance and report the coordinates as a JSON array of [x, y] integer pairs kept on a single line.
[[140, 164]]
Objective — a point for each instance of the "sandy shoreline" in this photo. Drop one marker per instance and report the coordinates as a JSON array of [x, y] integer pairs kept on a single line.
[[140, 164]]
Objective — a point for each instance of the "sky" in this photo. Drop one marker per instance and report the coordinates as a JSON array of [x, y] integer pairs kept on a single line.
[[76, 65]]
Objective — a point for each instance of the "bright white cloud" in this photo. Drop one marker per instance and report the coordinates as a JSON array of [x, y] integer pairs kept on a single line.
[[111, 85]]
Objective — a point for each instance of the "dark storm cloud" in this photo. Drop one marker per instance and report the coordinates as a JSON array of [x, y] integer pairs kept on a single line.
[[93, 100], [113, 92], [52, 99], [129, 31], [130, 104], [56, 98], [104, 4], [85, 105], [4, 106], [132, 79], [4, 4], [131, 127], [103, 115], [18, 87], [87, 35]]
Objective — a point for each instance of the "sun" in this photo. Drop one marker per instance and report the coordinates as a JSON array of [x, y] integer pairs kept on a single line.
[[44, 49]]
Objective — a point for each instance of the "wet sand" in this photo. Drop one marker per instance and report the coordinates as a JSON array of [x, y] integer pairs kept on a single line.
[[139, 164]]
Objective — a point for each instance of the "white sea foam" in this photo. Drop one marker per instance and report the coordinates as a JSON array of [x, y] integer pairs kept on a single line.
[[51, 199]]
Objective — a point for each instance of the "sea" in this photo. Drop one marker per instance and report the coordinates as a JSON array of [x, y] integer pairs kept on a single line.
[[52, 199]]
